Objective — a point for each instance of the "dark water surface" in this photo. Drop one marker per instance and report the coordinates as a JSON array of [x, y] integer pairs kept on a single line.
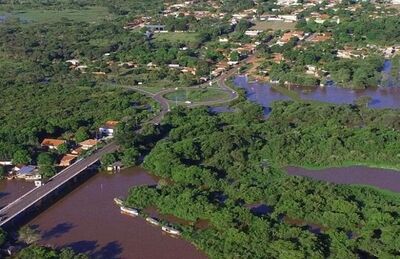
[[263, 94], [88, 221], [11, 190], [380, 178]]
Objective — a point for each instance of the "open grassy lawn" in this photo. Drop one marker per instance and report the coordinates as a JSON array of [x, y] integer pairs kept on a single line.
[[187, 37], [273, 25], [197, 95], [91, 14]]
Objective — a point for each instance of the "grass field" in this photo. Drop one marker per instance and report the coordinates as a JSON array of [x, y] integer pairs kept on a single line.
[[197, 95], [177, 36], [273, 25], [91, 15]]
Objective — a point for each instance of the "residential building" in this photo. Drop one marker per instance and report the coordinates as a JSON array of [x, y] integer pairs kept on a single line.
[[286, 37], [27, 171], [252, 33], [52, 143], [108, 129], [88, 144], [67, 160]]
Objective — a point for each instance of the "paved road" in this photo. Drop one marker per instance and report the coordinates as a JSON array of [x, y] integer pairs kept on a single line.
[[221, 82], [27, 200]]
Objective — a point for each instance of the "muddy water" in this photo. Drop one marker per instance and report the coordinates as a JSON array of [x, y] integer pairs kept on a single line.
[[10, 190], [88, 221], [380, 178], [259, 93], [263, 94]]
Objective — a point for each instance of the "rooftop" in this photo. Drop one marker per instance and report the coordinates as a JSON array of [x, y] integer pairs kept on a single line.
[[52, 142]]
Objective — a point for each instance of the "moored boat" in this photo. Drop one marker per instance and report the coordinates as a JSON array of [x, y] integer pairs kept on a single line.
[[153, 221], [129, 211], [118, 201], [171, 230]]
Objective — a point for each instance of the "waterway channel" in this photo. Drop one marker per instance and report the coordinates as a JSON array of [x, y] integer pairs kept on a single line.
[[88, 221], [264, 94], [380, 178]]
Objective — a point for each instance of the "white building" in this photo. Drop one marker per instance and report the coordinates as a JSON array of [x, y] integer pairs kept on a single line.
[[252, 33]]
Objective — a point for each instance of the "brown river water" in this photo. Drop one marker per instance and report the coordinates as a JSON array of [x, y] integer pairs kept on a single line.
[[380, 178], [88, 221], [10, 190]]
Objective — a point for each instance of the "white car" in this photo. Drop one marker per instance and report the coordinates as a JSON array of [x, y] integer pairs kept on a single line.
[[188, 102]]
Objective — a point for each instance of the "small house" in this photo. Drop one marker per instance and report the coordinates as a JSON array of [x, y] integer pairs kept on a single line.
[[52, 143], [27, 171], [67, 160], [77, 151], [108, 129], [88, 144]]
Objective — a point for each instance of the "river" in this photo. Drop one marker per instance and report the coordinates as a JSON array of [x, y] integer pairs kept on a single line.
[[88, 221], [380, 178], [10, 190], [263, 94]]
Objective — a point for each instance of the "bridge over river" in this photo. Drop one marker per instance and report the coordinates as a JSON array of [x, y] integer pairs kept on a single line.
[[33, 197]]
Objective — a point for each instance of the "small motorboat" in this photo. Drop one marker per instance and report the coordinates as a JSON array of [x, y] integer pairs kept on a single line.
[[171, 230], [129, 211], [153, 221], [118, 201]]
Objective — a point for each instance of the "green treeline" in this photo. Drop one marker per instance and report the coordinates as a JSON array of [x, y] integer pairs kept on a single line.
[[219, 166]]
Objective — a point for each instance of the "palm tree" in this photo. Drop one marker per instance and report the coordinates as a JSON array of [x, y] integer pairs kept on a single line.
[[28, 235]]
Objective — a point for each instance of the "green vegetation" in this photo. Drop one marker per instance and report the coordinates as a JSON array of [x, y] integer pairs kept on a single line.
[[28, 235], [221, 165], [178, 37], [197, 95], [40, 252], [93, 14]]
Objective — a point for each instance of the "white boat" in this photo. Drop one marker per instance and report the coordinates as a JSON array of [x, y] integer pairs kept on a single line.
[[171, 230], [118, 201], [129, 211], [153, 221]]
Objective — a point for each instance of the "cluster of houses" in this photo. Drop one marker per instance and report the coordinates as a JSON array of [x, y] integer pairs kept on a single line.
[[185, 70], [300, 35], [242, 49], [31, 172]]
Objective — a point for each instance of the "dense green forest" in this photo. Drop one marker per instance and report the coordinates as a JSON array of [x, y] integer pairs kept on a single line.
[[219, 167], [42, 95]]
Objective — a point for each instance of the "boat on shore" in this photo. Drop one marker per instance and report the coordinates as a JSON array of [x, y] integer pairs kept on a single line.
[[171, 231], [118, 201], [153, 221], [129, 211]]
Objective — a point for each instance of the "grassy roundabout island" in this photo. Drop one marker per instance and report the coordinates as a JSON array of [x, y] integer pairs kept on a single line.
[[197, 95]]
